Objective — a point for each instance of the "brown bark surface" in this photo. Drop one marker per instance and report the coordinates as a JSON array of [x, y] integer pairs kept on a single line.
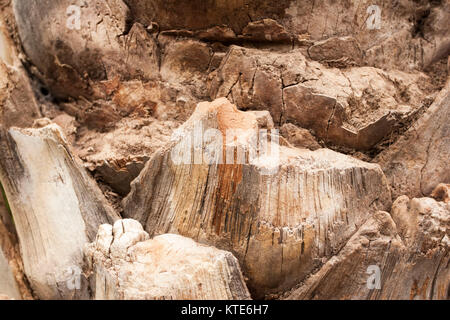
[[119, 109]]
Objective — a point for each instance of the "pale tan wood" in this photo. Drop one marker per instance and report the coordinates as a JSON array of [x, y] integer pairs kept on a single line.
[[410, 248], [127, 265], [56, 206], [13, 282], [280, 224]]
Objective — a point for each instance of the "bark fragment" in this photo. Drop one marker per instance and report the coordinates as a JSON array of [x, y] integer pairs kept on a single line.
[[353, 108], [410, 250], [56, 206], [18, 106], [279, 218], [13, 282], [418, 161], [127, 265]]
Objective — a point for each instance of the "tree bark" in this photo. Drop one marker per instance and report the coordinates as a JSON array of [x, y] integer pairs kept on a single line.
[[127, 265], [291, 215], [13, 282], [56, 206], [359, 91], [410, 250]]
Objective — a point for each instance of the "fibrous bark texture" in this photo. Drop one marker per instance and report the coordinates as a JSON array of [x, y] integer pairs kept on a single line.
[[290, 208], [56, 206], [295, 148], [419, 160], [13, 283], [18, 105], [127, 265], [355, 107], [411, 250]]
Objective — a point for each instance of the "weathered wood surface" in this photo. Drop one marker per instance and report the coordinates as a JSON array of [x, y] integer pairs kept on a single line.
[[13, 283], [119, 76], [279, 216], [56, 206], [72, 44], [18, 105], [419, 160], [350, 107], [410, 247], [126, 265]]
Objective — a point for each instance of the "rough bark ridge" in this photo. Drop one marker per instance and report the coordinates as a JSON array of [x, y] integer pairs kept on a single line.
[[13, 283], [18, 105], [56, 206], [418, 161], [127, 265], [114, 109], [412, 246], [292, 212], [354, 107]]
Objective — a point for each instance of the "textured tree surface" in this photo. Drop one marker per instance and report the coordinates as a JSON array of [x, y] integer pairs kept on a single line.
[[419, 160], [336, 104], [411, 249], [13, 283], [127, 265], [292, 215], [56, 207], [289, 149]]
